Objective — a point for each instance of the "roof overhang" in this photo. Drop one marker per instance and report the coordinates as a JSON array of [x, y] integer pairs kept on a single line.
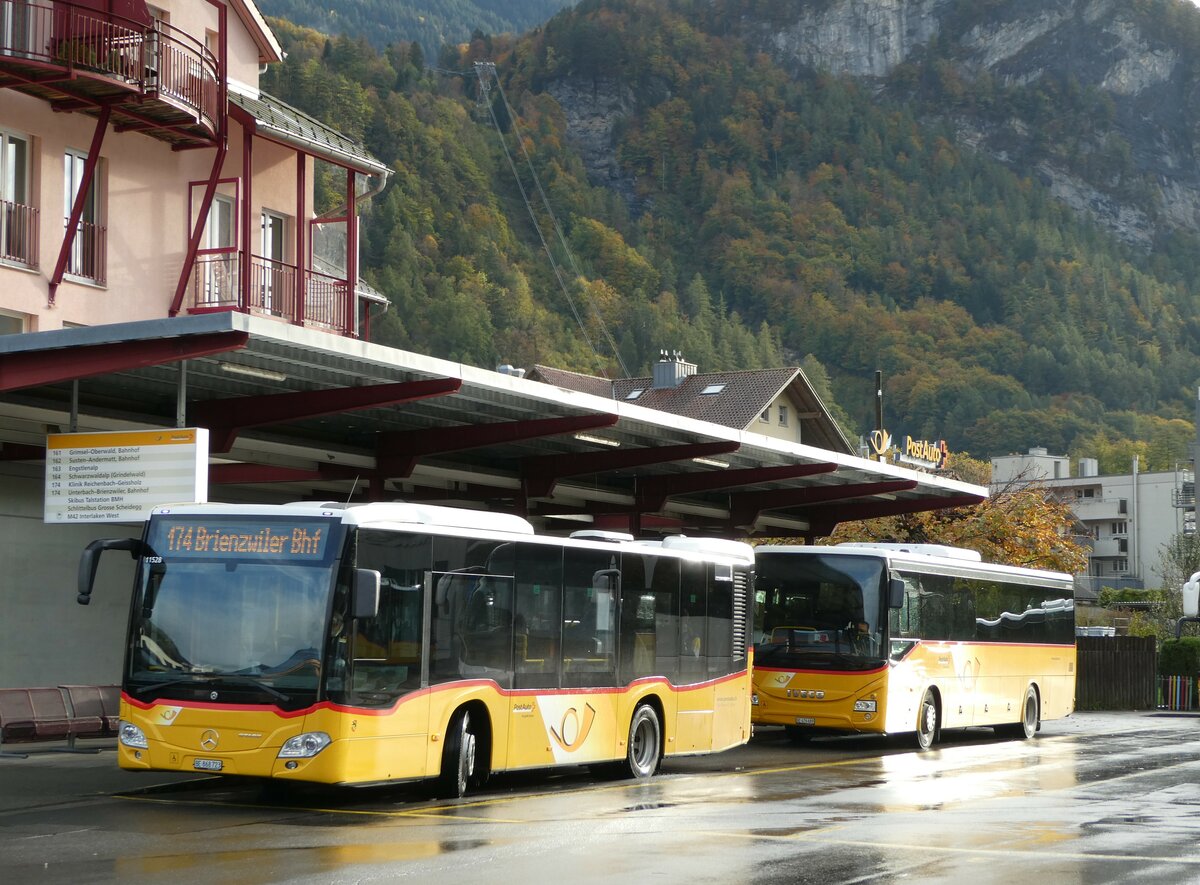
[[310, 415]]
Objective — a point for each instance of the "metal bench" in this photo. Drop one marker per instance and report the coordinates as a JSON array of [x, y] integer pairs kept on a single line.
[[57, 713]]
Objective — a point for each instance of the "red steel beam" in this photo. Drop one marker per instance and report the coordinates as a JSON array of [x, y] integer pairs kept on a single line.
[[29, 369], [85, 185], [653, 491], [824, 519], [745, 507], [226, 417], [396, 454], [20, 452], [539, 475]]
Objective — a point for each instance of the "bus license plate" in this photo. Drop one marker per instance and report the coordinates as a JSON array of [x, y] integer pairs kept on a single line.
[[208, 764], [805, 720]]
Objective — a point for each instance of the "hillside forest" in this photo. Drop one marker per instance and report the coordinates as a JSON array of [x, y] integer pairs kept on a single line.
[[765, 217]]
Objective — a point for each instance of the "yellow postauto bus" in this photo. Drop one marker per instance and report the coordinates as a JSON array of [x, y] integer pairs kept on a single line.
[[398, 642], [901, 638]]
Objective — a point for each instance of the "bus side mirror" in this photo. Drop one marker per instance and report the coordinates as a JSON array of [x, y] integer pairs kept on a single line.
[[89, 560], [1191, 596], [895, 593], [364, 598]]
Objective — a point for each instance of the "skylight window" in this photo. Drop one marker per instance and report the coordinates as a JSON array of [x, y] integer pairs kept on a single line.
[[712, 388], [634, 394]]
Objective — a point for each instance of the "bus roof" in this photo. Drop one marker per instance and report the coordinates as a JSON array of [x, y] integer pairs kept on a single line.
[[933, 558], [402, 514]]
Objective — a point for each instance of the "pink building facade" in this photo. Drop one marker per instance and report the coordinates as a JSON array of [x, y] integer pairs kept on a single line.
[[143, 174]]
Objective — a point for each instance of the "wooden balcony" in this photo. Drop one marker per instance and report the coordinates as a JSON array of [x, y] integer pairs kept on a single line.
[[156, 79], [216, 285]]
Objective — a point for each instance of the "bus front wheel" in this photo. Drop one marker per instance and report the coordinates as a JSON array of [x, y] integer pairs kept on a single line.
[[927, 721], [644, 749], [458, 757]]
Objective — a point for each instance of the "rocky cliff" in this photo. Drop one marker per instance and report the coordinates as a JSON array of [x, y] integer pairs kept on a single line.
[[1141, 67]]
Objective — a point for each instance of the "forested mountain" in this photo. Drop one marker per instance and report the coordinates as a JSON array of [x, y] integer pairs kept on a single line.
[[985, 199], [430, 23]]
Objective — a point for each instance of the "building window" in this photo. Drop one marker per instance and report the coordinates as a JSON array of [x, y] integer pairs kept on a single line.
[[217, 262], [87, 258], [1120, 566], [275, 281], [765, 417], [11, 323], [711, 389], [1119, 528], [783, 416], [18, 218]]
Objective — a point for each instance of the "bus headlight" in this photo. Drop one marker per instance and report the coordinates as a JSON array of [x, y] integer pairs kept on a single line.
[[864, 706], [304, 746], [131, 736]]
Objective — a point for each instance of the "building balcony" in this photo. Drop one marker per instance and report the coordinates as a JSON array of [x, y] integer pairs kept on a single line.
[[1092, 509], [1110, 547], [18, 234], [323, 302], [155, 78]]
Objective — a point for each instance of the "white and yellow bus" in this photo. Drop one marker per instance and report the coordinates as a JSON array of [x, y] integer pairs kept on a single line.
[[398, 642], [895, 638]]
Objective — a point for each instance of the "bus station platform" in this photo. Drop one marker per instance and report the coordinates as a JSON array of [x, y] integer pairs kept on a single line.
[[51, 776]]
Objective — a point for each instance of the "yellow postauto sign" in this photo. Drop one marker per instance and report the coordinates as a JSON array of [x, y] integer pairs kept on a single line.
[[120, 476]]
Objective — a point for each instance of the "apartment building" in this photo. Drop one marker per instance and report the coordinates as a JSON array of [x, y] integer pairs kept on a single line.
[[1125, 519], [143, 174]]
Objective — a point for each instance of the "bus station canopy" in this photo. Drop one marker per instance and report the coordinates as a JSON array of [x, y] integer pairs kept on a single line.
[[299, 414]]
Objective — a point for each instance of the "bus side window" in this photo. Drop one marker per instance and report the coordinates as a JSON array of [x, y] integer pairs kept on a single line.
[[537, 602], [590, 586], [693, 621]]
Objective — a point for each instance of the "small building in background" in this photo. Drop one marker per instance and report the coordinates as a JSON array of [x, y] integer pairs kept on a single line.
[[779, 403], [1125, 519]]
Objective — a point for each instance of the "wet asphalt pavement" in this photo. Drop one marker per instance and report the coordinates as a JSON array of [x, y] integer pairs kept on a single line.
[[1095, 798]]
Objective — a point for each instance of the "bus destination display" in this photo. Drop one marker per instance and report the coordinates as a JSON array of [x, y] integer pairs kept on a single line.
[[244, 539]]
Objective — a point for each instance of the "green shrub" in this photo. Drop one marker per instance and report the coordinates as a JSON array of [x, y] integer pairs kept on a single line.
[[1179, 657]]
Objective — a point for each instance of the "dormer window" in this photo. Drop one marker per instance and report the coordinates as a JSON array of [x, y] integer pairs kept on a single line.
[[711, 389]]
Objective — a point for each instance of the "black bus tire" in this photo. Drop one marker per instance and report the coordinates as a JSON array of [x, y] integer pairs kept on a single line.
[[643, 751], [928, 721], [458, 758], [1031, 720]]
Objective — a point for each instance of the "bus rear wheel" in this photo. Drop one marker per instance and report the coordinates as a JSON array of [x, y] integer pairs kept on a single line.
[[458, 757], [643, 751], [1030, 719], [927, 721]]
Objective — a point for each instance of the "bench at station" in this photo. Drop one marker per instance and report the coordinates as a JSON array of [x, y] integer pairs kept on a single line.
[[58, 713]]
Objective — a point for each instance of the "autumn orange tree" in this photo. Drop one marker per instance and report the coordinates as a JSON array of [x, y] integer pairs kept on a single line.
[[1019, 524]]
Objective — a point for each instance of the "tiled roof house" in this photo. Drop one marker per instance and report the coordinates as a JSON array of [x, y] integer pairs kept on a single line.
[[779, 403]]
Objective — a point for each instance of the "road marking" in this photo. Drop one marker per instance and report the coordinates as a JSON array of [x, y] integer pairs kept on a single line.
[[949, 849]]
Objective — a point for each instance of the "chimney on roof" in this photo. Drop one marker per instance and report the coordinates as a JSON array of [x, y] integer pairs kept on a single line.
[[671, 369]]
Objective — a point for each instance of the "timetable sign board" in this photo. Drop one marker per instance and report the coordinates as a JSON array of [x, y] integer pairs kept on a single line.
[[121, 476]]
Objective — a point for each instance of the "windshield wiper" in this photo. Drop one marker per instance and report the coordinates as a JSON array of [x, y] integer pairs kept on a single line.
[[209, 679], [248, 682]]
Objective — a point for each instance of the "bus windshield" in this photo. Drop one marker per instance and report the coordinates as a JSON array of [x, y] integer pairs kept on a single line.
[[233, 605], [819, 611]]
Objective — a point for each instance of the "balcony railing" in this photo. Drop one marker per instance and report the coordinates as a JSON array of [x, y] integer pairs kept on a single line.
[[156, 61], [88, 250], [18, 233], [216, 285]]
